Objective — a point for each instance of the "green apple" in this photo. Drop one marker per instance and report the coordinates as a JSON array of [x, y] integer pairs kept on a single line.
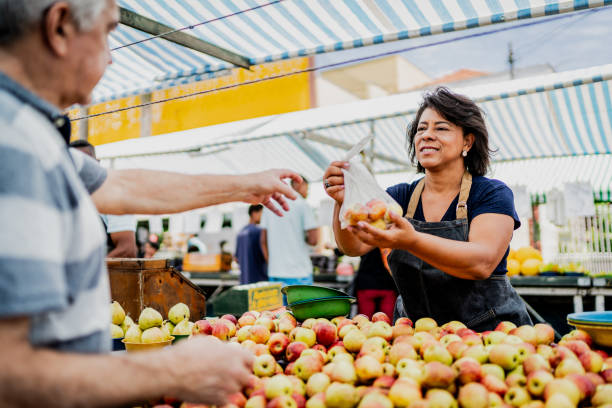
[[277, 386], [133, 335], [148, 318], [178, 312], [115, 331], [117, 313], [153, 335]]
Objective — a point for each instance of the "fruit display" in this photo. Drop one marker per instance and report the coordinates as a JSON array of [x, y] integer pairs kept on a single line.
[[370, 363], [150, 327], [375, 212], [527, 261]]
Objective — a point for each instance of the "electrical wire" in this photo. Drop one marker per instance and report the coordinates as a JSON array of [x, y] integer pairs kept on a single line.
[[191, 27], [332, 65]]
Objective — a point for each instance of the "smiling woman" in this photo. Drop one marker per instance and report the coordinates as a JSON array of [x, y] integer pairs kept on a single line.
[[448, 255]]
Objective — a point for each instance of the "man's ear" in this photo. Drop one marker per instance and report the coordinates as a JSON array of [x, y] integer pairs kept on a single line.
[[58, 27]]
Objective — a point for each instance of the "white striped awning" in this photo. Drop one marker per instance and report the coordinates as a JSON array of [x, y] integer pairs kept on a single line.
[[566, 114], [271, 30]]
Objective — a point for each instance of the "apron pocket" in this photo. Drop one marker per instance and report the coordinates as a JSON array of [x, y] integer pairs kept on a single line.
[[485, 317]]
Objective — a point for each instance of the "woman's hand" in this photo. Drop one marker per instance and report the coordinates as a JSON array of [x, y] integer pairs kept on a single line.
[[333, 180], [401, 235]]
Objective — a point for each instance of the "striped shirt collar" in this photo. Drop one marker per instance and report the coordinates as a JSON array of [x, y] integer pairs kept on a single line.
[[55, 116]]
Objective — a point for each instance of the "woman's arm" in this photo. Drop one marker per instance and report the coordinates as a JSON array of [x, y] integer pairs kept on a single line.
[[489, 237]]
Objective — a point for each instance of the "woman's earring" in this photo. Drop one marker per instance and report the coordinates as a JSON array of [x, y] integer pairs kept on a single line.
[[464, 154]]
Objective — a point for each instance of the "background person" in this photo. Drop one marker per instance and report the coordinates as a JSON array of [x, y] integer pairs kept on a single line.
[[120, 229], [249, 254], [54, 291], [285, 242], [448, 255], [374, 286], [150, 248]]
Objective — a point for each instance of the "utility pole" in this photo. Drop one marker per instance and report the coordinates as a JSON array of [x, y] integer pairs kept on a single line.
[[511, 60]]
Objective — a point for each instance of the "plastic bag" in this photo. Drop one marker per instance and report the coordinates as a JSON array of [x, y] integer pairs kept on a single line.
[[364, 199]]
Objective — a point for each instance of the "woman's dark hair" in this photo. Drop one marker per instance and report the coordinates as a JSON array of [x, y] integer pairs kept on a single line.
[[463, 112]]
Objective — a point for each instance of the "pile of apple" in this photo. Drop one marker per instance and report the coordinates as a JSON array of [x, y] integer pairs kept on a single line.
[[346, 363], [375, 212], [150, 328]]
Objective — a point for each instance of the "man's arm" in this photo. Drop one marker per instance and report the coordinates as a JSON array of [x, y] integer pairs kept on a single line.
[[264, 243], [125, 245], [160, 192], [37, 377]]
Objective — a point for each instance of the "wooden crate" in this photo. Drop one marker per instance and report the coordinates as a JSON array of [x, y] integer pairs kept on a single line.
[[139, 283]]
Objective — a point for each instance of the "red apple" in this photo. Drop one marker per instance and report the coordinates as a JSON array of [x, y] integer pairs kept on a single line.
[[384, 381], [401, 350], [505, 326], [579, 347], [494, 384], [535, 362], [591, 361], [537, 381], [436, 374], [220, 330], [468, 370], [584, 384], [403, 321], [283, 401], [294, 350], [259, 334], [382, 317], [545, 334], [325, 333], [202, 327], [230, 317], [473, 395], [579, 335], [277, 344]]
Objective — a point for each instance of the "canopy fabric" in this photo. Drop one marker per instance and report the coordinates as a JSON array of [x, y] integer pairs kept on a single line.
[[566, 115], [540, 176], [290, 28]]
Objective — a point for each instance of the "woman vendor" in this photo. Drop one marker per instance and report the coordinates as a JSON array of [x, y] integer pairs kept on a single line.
[[448, 255]]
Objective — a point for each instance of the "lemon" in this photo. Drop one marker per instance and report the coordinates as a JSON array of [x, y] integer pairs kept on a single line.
[[514, 267], [531, 267], [527, 252]]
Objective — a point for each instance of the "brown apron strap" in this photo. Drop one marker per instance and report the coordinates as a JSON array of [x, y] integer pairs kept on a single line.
[[414, 198], [464, 193]]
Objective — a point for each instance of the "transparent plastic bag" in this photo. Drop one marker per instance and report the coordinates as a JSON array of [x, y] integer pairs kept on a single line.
[[364, 199]]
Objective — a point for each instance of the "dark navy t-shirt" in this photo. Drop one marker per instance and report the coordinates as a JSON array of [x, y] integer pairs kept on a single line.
[[250, 257], [486, 196]]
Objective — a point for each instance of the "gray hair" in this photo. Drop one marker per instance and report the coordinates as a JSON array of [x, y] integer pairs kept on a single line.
[[18, 16]]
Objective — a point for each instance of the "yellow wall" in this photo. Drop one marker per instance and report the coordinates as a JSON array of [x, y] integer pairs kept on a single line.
[[269, 97], [75, 127], [115, 126]]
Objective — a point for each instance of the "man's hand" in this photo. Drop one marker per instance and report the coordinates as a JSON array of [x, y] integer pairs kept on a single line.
[[267, 187], [209, 371]]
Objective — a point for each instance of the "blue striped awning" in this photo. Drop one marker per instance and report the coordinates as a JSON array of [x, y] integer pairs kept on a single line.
[[291, 28]]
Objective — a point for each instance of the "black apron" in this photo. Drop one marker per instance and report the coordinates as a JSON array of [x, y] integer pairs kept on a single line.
[[428, 292]]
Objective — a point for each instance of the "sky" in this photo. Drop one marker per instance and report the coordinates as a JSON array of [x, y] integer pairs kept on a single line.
[[565, 42]]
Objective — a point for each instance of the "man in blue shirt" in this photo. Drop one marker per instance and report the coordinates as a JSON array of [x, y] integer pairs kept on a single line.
[[250, 257]]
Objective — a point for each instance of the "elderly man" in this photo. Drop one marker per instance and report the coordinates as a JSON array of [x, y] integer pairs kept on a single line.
[[54, 292]]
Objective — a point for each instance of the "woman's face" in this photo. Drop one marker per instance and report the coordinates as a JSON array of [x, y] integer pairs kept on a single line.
[[438, 142]]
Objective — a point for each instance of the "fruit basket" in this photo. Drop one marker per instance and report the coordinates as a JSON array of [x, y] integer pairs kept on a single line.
[[299, 293], [140, 347], [597, 324], [326, 307]]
